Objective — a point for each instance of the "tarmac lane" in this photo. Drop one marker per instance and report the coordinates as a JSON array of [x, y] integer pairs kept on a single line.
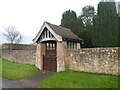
[[13, 84], [0, 83], [30, 82]]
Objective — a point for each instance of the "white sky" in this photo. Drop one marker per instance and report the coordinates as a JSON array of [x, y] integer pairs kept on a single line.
[[28, 15]]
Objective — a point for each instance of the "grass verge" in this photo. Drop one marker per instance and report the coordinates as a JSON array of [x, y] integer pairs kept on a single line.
[[71, 79], [15, 71]]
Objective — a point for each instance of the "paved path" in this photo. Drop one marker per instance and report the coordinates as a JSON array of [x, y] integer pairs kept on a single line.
[[13, 84], [31, 82], [0, 83]]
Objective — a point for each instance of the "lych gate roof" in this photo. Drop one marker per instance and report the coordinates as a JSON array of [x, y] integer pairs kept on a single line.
[[58, 32], [64, 32]]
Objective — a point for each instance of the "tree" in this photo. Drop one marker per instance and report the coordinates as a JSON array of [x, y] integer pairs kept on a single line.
[[105, 24], [12, 35], [69, 20], [95, 31], [88, 13], [74, 23]]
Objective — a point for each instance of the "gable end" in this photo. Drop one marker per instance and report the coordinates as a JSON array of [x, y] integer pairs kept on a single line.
[[45, 30]]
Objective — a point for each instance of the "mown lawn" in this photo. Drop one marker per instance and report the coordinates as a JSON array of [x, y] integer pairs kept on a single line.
[[71, 79], [15, 71]]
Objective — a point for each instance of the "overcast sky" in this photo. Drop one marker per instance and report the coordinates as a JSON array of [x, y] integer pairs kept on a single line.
[[28, 15]]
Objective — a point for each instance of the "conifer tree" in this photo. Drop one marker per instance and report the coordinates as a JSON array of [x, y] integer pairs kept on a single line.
[[70, 20], [105, 25]]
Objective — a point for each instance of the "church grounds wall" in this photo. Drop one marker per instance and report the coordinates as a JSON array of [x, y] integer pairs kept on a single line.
[[21, 53], [20, 56], [96, 60], [6, 46]]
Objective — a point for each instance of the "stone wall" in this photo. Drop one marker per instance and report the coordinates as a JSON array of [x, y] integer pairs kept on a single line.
[[6, 46], [96, 60], [0, 53], [20, 56]]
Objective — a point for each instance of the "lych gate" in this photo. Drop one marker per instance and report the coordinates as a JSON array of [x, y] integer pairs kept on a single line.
[[52, 40]]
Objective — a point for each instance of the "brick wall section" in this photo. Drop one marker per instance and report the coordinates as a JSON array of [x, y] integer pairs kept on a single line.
[[39, 55], [60, 57], [96, 60], [20, 56]]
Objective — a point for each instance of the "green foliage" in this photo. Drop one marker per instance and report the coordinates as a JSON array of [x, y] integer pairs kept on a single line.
[[15, 71], [71, 79], [105, 26], [70, 20], [88, 13], [99, 30], [76, 24]]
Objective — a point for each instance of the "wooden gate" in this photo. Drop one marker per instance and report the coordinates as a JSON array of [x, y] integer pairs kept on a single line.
[[49, 59]]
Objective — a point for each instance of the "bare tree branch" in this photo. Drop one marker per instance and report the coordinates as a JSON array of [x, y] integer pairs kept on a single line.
[[12, 35]]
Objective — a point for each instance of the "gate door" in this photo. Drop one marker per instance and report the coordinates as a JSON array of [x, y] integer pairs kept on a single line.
[[49, 60]]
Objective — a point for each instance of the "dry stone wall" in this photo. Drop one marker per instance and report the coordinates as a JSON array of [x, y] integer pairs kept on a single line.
[[96, 60], [6, 46], [0, 53], [20, 56]]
